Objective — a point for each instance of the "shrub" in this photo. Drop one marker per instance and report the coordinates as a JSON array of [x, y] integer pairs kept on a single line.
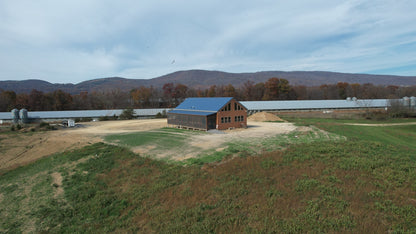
[[43, 124], [127, 114], [161, 115]]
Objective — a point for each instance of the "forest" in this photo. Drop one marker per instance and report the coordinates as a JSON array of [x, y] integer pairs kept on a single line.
[[170, 95]]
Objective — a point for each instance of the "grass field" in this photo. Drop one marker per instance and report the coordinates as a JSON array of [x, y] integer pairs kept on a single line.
[[364, 184], [165, 138], [177, 142]]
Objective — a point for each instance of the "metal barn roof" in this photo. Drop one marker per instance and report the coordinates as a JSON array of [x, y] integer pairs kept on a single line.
[[195, 112], [204, 104], [207, 106], [82, 113], [315, 104]]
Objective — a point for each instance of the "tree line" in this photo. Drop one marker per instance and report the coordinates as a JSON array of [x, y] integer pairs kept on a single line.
[[170, 95]]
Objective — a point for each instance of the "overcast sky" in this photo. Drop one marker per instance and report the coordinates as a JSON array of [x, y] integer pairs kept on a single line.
[[77, 40]]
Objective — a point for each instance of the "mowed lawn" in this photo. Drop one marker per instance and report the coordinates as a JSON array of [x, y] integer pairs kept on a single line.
[[397, 135], [363, 184]]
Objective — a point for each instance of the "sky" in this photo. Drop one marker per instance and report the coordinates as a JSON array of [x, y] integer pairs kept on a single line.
[[77, 40]]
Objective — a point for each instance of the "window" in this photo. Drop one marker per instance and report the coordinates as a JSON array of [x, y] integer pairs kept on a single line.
[[225, 119], [237, 107], [239, 118], [227, 107]]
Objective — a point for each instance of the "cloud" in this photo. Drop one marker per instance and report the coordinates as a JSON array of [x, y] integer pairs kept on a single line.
[[72, 41]]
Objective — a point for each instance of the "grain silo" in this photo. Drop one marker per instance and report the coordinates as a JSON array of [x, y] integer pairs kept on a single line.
[[413, 102], [15, 116], [23, 116], [406, 101]]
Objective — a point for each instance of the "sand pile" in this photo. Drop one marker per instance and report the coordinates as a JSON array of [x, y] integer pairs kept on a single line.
[[264, 116]]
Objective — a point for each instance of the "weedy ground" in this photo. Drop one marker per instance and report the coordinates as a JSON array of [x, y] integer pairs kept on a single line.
[[364, 183]]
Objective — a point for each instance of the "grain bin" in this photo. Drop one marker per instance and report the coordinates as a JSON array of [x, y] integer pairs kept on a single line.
[[406, 101], [23, 116], [15, 116], [413, 102]]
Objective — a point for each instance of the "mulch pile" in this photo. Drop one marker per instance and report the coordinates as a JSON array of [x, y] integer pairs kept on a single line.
[[264, 116]]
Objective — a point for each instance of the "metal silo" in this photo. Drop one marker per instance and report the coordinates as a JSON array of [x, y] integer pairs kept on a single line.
[[15, 116], [413, 102], [23, 116], [406, 101]]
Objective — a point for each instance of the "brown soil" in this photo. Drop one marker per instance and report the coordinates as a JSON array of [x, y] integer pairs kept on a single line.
[[23, 148], [264, 116], [57, 183]]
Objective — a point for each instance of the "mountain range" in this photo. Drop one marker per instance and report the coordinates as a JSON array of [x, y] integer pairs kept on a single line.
[[204, 79]]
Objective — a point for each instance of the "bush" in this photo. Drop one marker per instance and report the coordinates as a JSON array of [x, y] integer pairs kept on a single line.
[[84, 119], [161, 115], [127, 114], [104, 118], [43, 124]]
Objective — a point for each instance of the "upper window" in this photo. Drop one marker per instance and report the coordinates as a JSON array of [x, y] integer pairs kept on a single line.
[[237, 107], [227, 107]]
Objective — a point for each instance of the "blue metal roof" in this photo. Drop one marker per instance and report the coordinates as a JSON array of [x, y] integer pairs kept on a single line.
[[185, 112], [204, 104]]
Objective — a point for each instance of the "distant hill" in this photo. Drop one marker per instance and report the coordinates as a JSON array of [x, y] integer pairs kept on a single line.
[[204, 79]]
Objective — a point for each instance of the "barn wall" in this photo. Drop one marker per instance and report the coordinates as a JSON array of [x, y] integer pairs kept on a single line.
[[190, 121], [232, 117]]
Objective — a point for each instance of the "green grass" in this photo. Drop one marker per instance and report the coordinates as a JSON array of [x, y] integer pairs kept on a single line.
[[257, 146], [365, 184], [165, 138], [403, 135]]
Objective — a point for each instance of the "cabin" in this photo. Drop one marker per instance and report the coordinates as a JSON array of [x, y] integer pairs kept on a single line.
[[209, 113]]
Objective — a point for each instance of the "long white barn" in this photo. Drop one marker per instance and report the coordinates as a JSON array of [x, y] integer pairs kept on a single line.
[[255, 106], [252, 106]]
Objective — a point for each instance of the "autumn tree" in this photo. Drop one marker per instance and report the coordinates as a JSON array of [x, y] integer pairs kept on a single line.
[[22, 101], [141, 96], [355, 89], [7, 100], [212, 91], [61, 100], [38, 101], [229, 91], [248, 91], [342, 89], [258, 91], [276, 89], [180, 92]]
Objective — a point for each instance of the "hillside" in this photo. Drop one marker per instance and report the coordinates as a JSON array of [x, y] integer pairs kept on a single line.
[[363, 182], [204, 79]]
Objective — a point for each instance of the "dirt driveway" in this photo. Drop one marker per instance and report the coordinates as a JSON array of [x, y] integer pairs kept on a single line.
[[16, 150]]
